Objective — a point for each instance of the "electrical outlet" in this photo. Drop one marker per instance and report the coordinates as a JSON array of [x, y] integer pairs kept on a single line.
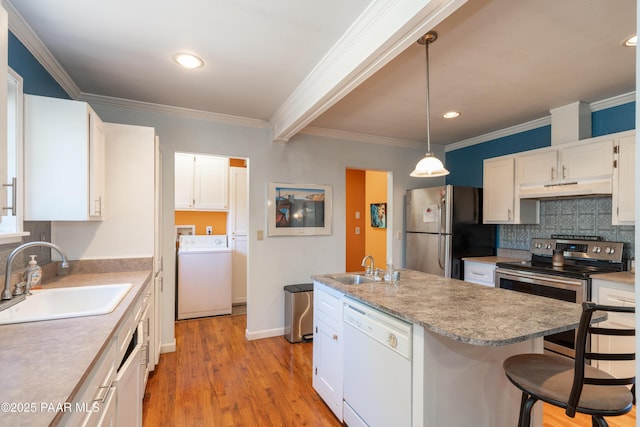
[[209, 229]]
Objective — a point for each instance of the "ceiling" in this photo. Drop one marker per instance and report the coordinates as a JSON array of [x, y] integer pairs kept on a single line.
[[499, 62]]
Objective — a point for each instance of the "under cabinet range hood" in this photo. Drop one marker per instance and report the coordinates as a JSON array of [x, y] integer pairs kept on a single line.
[[593, 187]]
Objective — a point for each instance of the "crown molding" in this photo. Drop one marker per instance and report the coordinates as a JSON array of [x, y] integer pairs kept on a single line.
[[614, 101], [361, 137], [523, 127], [603, 104], [19, 27], [176, 111]]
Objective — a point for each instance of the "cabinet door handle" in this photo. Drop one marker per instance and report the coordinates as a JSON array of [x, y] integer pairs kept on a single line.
[[509, 214], [13, 196], [103, 392], [553, 173], [97, 206], [335, 337], [564, 172]]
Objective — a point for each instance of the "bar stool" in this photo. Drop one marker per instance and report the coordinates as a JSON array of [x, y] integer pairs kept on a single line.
[[574, 384]]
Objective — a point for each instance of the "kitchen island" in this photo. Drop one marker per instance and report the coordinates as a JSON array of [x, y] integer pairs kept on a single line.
[[462, 332]]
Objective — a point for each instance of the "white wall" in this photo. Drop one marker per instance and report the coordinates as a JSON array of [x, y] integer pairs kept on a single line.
[[275, 261]]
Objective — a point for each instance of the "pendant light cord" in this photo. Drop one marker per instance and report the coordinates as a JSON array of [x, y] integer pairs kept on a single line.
[[426, 49]]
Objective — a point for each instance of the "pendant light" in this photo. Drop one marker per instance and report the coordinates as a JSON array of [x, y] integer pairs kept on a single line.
[[429, 166]]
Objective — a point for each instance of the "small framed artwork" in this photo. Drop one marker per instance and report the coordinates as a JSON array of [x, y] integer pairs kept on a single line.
[[298, 209], [379, 215]]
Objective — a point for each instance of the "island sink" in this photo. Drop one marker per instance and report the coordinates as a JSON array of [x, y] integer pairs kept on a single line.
[[352, 279], [62, 303]]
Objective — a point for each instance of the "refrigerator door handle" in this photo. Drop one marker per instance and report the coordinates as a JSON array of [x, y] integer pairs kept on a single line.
[[440, 263]]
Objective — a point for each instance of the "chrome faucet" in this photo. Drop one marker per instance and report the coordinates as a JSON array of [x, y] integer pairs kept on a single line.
[[370, 269], [6, 293]]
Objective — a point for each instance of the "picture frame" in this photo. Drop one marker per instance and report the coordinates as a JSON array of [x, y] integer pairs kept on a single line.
[[299, 209], [378, 215]]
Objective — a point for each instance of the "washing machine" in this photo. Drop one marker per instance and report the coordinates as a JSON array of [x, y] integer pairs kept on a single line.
[[204, 276]]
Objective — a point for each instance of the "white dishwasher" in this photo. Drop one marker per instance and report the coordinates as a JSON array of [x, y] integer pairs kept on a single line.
[[377, 367]]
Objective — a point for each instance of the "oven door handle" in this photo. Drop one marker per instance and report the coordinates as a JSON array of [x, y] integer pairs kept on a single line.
[[533, 278]]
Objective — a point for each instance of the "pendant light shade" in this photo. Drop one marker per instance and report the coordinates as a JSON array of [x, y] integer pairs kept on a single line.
[[429, 166]]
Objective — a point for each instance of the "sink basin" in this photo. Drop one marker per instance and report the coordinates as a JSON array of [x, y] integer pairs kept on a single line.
[[353, 279], [62, 303]]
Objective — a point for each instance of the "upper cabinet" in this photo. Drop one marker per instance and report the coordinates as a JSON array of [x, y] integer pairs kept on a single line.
[[500, 202], [623, 203], [562, 165], [201, 182], [580, 168], [601, 166], [64, 155]]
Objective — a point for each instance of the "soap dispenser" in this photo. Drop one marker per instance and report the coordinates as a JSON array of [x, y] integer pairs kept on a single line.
[[33, 274]]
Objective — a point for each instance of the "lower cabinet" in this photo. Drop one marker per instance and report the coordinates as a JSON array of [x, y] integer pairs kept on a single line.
[[617, 294], [327, 346], [481, 273]]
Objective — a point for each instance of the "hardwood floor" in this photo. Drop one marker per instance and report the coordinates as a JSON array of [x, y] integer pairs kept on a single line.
[[218, 378]]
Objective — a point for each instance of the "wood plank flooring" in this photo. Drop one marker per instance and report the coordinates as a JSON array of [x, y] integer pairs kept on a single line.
[[218, 378]]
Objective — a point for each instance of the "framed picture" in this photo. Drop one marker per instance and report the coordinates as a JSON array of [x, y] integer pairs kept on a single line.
[[298, 209], [379, 215]]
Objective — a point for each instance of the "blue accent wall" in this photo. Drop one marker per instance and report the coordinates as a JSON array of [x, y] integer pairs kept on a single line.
[[614, 119], [36, 79], [465, 164]]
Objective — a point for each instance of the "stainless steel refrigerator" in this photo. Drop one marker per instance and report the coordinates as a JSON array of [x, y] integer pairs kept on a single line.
[[443, 225]]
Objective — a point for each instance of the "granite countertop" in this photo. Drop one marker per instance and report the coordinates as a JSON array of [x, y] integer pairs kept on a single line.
[[491, 259], [463, 311], [622, 277], [45, 362]]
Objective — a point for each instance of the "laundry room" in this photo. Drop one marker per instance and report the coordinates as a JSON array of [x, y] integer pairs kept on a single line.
[[210, 220]]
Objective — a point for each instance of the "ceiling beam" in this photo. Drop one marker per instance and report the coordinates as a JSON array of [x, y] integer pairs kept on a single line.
[[384, 30]]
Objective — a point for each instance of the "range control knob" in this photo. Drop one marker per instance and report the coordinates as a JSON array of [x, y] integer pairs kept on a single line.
[[609, 250], [596, 249], [548, 246], [538, 245]]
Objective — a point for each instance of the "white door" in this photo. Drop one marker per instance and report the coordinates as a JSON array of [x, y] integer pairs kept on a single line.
[[238, 226]]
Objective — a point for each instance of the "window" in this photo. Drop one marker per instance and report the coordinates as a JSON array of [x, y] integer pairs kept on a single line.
[[11, 230]]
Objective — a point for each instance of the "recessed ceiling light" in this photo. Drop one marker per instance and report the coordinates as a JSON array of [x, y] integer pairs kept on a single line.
[[631, 41], [188, 60], [451, 114]]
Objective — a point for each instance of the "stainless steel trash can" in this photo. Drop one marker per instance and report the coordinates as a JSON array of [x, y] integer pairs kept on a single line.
[[298, 312]]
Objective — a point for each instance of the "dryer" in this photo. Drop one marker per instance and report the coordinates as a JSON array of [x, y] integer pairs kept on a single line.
[[204, 276]]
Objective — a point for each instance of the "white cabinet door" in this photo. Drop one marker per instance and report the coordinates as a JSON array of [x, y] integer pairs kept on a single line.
[[616, 294], [201, 182], [499, 191], [590, 160], [537, 167], [211, 183], [184, 168], [64, 175], [327, 347], [624, 182]]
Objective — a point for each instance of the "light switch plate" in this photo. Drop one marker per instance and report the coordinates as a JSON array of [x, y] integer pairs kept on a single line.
[[357, 214], [260, 234]]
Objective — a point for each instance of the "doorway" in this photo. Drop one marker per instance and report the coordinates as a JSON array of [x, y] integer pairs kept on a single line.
[[214, 199], [367, 216]]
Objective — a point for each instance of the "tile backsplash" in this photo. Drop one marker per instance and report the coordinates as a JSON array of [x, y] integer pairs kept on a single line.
[[582, 216]]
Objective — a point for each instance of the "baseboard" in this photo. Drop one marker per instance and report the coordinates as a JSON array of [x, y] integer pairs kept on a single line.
[[267, 333], [239, 301], [168, 348]]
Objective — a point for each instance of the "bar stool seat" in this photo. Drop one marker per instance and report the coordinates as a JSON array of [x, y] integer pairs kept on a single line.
[[550, 378], [573, 384]]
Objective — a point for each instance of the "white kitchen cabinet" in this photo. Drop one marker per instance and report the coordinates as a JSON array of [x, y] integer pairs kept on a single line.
[[481, 273], [201, 182], [328, 346], [617, 294], [500, 202], [624, 181], [94, 402], [581, 160], [64, 157]]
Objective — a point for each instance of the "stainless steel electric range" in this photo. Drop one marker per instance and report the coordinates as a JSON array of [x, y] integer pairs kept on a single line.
[[561, 268]]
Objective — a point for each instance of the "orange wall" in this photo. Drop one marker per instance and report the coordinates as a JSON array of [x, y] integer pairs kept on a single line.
[[218, 220], [355, 191], [375, 238]]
